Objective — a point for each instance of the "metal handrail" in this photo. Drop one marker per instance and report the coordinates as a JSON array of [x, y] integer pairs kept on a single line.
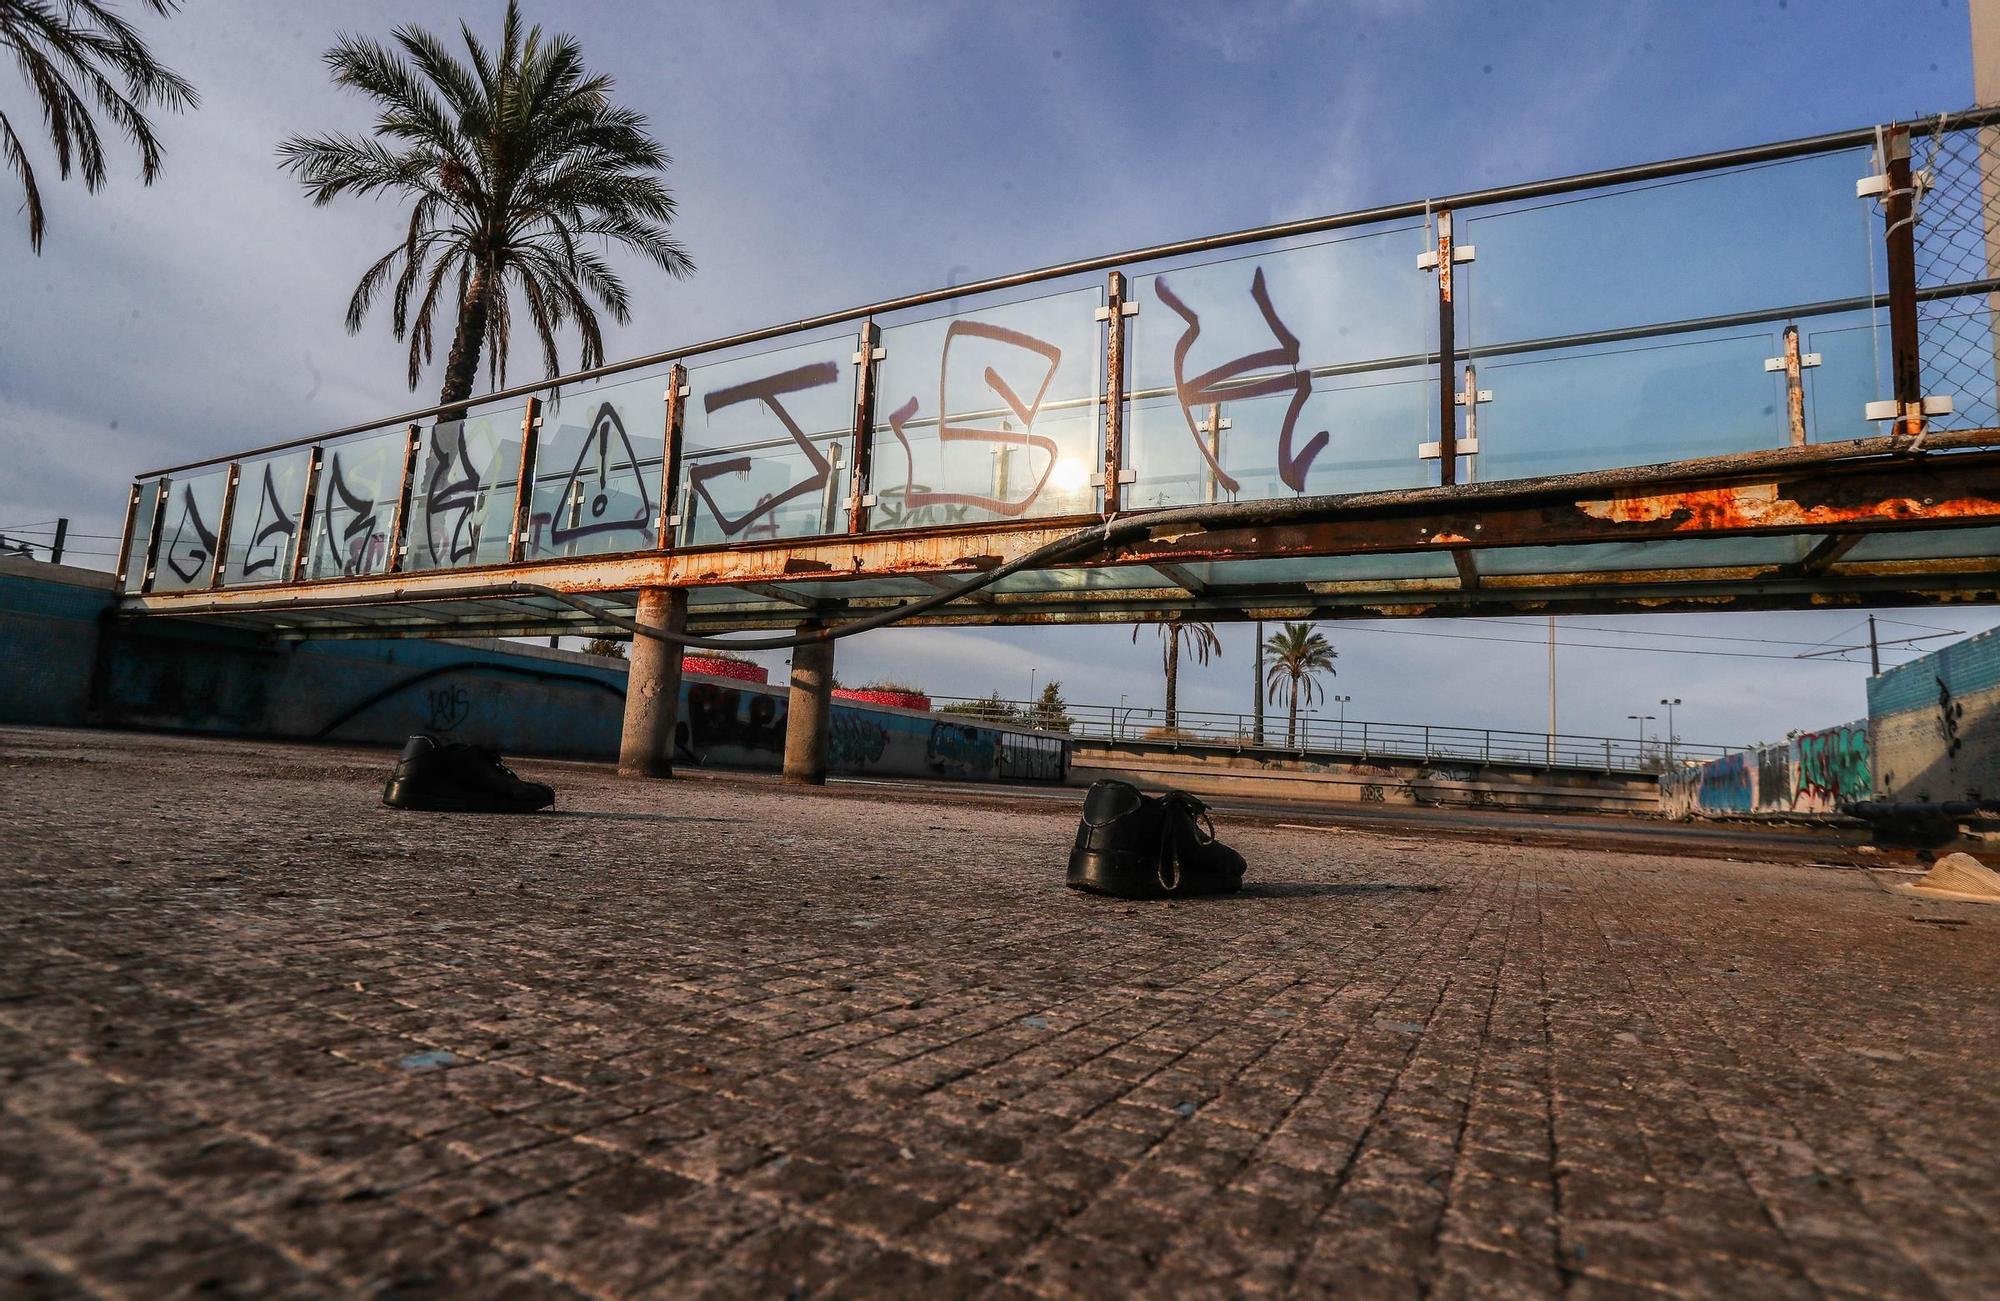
[[1363, 738], [1747, 155]]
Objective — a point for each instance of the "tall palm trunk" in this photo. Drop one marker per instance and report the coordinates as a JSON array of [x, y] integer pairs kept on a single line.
[[461, 367], [1292, 718], [1173, 679]]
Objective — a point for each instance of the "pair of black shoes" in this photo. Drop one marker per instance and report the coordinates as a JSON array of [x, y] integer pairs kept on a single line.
[[455, 778], [1137, 846]]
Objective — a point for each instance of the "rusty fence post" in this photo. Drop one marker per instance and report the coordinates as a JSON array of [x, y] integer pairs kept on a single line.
[[308, 503], [670, 458], [861, 458], [1447, 446], [399, 523], [1115, 310], [1899, 220], [125, 539], [524, 482], [220, 560], [1795, 386]]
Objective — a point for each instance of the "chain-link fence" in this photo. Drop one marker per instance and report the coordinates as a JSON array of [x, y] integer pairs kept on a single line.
[[1958, 202]]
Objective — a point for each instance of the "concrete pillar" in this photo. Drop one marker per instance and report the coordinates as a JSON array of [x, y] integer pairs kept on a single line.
[[653, 688], [809, 713]]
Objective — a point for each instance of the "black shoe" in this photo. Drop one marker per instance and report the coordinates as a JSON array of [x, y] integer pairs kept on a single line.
[[1201, 864], [1135, 846], [460, 779], [1118, 842]]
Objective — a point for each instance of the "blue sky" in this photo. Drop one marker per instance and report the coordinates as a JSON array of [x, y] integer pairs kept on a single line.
[[828, 154]]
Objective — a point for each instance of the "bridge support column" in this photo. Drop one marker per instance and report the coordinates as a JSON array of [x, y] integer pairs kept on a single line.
[[809, 713], [653, 688]]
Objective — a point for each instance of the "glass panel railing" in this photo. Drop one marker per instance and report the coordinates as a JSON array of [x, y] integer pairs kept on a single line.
[[187, 534], [462, 503], [354, 507], [749, 494], [1776, 238], [1597, 407], [597, 471], [755, 437], [1773, 236], [1851, 351], [991, 414], [140, 534], [264, 523], [1284, 372]]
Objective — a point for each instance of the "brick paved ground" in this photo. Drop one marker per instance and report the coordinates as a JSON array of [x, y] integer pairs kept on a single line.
[[258, 1034]]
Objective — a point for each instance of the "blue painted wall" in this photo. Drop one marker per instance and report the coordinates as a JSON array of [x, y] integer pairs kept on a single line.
[[519, 698]]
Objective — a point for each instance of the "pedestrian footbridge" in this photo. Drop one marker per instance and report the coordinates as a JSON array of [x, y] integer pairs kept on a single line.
[[1757, 379]]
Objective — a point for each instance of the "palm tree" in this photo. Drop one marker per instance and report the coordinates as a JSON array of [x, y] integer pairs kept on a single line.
[[516, 164], [73, 53], [1201, 642], [1298, 656]]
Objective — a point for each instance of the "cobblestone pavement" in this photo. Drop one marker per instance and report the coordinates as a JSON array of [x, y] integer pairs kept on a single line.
[[715, 1037]]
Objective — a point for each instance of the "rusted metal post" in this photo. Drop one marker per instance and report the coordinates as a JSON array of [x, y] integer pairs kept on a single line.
[[524, 482], [153, 535], [863, 456], [125, 539], [670, 456], [1114, 390], [221, 557], [809, 712], [1899, 219], [1447, 358], [400, 521], [307, 502], [653, 687], [1795, 387]]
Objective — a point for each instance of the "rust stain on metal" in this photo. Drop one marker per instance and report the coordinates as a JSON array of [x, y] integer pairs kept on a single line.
[[1449, 539], [1763, 505], [796, 565]]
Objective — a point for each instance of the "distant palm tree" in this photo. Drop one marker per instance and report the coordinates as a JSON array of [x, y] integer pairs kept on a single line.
[[61, 45], [1298, 655], [517, 165], [1201, 643]]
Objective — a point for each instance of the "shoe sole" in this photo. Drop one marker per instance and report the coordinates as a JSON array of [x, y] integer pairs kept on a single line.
[[395, 798]]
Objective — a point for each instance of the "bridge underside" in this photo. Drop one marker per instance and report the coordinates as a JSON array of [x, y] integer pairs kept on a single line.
[[1791, 529]]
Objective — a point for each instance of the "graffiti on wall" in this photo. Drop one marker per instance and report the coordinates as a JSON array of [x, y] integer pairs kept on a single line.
[[604, 492], [1812, 773], [855, 741], [1830, 768], [962, 750]]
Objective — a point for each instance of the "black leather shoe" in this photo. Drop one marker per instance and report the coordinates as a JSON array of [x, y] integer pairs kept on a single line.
[[1118, 842], [1201, 864], [1136, 846], [458, 778]]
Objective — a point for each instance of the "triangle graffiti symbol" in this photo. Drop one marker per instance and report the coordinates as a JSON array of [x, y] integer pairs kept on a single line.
[[585, 506]]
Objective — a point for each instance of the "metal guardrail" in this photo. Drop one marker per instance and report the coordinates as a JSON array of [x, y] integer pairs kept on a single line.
[[1361, 738]]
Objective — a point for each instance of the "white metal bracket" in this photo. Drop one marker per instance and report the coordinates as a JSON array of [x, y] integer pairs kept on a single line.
[[1937, 405], [1128, 308], [673, 521], [1870, 186], [1227, 423], [1459, 253], [874, 354], [1124, 476], [1431, 451], [1484, 395], [1807, 360]]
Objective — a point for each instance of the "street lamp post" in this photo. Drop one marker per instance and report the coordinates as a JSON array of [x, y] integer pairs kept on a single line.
[[1642, 720], [1670, 726], [1114, 717], [1342, 702]]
